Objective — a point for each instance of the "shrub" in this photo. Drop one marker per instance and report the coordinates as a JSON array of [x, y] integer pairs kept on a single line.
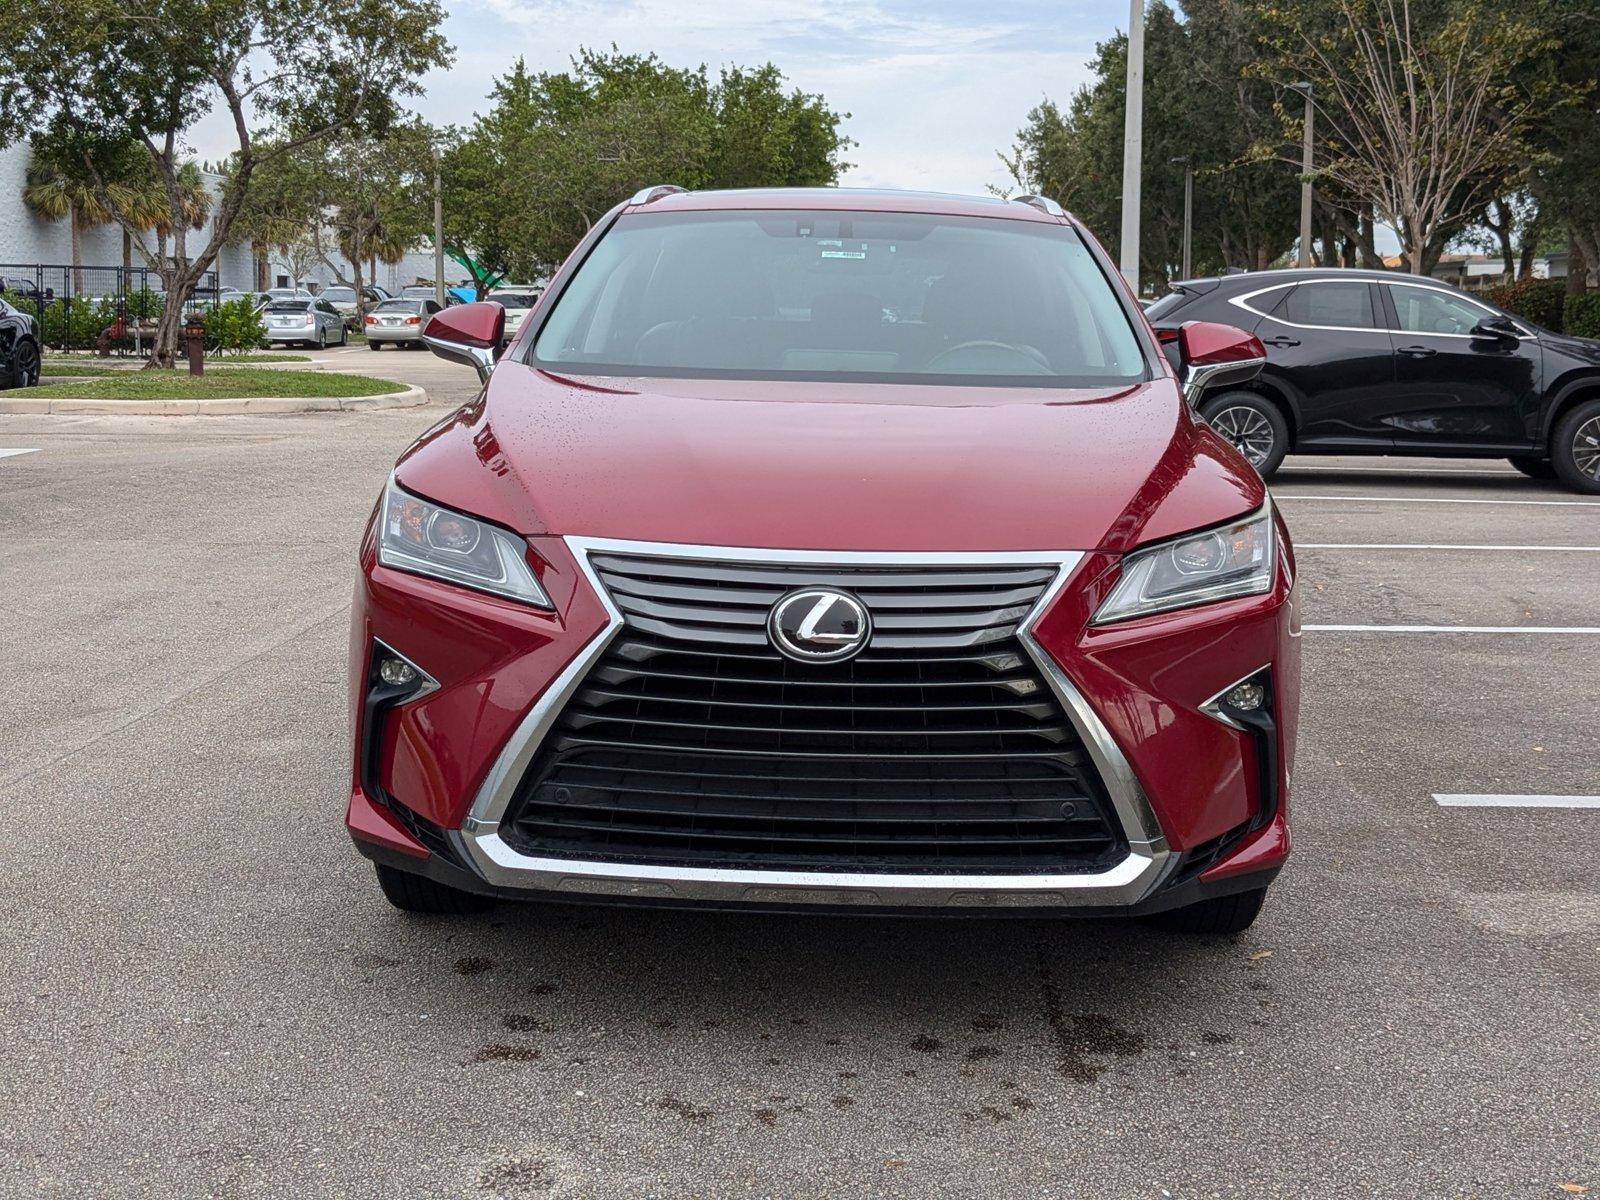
[[234, 325], [1536, 300], [71, 324], [1581, 318]]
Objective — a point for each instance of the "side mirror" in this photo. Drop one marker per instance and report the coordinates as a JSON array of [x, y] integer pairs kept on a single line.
[[468, 333], [1216, 355], [1497, 328]]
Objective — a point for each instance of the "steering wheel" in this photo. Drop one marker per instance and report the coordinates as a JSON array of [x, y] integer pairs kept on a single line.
[[1032, 361]]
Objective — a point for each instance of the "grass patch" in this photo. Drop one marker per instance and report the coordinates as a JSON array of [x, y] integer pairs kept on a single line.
[[218, 383], [96, 367]]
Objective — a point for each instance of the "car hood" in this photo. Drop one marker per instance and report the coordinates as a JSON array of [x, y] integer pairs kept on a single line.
[[837, 466]]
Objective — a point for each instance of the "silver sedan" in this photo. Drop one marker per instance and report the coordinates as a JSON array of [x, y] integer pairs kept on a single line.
[[399, 323], [310, 322]]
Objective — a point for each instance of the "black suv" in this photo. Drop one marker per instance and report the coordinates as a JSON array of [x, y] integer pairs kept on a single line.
[[19, 348], [1376, 362]]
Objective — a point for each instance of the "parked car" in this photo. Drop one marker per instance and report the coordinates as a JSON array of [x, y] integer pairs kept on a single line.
[[517, 303], [310, 322], [731, 589], [399, 323], [344, 299], [20, 348], [1372, 362], [18, 287]]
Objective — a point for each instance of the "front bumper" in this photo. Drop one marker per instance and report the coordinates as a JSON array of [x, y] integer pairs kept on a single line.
[[1200, 802]]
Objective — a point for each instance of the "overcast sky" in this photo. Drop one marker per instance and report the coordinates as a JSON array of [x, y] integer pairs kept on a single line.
[[934, 87]]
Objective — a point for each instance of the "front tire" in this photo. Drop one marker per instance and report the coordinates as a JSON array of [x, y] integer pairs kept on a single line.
[[26, 365], [1252, 424], [1575, 448], [419, 894], [1533, 468], [1219, 917]]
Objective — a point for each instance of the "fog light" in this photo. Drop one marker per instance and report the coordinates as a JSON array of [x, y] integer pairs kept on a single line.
[[1245, 697], [397, 672]]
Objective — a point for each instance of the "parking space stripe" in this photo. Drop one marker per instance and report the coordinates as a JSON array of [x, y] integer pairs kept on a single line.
[[4, 453], [1491, 801], [1437, 546], [1580, 630], [1443, 500], [1355, 470]]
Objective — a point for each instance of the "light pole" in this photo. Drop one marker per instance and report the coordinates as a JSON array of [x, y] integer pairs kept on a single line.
[[1133, 145], [438, 232], [1304, 89], [1188, 213]]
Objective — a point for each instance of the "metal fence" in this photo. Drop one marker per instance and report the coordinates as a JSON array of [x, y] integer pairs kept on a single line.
[[74, 305]]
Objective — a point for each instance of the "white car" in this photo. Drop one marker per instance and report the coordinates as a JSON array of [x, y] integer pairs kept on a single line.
[[310, 322], [518, 304]]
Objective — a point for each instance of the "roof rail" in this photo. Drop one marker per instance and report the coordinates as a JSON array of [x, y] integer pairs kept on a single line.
[[1044, 204], [654, 192]]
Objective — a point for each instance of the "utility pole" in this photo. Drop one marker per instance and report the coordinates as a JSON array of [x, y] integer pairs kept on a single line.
[[438, 232], [1304, 89], [1133, 145], [1188, 214]]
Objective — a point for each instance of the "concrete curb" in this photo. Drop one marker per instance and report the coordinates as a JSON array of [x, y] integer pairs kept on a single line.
[[234, 406]]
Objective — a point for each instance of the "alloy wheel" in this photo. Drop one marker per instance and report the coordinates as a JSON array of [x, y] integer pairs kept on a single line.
[[1249, 431], [1586, 447]]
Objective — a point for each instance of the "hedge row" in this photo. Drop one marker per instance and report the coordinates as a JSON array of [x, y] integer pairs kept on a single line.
[[1545, 302], [233, 325]]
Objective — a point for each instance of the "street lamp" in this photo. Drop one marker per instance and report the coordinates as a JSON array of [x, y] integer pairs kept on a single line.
[[1133, 145], [1188, 212], [1304, 88]]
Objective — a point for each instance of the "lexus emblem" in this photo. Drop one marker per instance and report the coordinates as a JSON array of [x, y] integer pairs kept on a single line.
[[819, 625]]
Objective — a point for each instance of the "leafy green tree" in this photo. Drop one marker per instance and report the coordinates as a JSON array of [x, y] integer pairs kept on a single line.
[[556, 150], [147, 70], [1200, 105]]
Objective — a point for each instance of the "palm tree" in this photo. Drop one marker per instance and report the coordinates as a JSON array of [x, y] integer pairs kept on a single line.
[[53, 189], [194, 206]]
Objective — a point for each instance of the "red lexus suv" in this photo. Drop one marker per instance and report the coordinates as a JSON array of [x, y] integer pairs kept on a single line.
[[829, 550]]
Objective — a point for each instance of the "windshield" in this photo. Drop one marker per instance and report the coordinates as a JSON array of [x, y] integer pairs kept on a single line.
[[512, 299], [889, 297]]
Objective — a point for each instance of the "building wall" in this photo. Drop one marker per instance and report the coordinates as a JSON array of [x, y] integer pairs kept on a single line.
[[26, 240]]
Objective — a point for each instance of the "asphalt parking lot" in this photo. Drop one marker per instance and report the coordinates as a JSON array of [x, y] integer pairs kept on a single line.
[[207, 996]]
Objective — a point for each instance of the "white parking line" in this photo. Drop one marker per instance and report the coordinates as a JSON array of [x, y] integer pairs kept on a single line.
[[1559, 629], [1435, 546], [1443, 500], [1507, 474], [4, 453], [1488, 801]]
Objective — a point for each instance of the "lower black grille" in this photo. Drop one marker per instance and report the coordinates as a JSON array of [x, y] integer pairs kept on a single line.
[[906, 759]]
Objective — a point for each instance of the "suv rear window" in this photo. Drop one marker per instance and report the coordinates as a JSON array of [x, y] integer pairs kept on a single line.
[[888, 297]]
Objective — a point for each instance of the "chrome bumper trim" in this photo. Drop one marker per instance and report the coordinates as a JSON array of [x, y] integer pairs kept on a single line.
[[1126, 883]]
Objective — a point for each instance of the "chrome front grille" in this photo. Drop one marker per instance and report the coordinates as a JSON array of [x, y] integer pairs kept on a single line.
[[913, 608], [693, 742]]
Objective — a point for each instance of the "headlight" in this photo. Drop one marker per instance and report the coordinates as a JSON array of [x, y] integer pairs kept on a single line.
[[426, 539], [1233, 561]]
